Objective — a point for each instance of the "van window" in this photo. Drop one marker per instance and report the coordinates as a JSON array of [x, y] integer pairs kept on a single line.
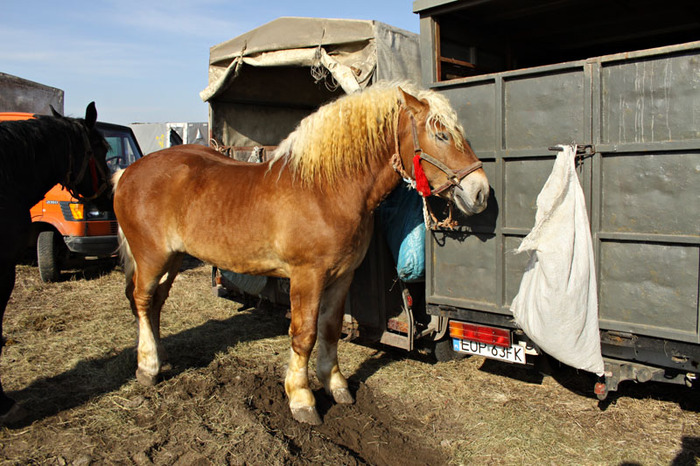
[[122, 149]]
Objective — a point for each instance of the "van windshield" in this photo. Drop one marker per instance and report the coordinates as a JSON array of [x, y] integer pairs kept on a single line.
[[123, 150]]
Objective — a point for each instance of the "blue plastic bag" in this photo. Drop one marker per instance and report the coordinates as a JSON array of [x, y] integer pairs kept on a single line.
[[401, 219]]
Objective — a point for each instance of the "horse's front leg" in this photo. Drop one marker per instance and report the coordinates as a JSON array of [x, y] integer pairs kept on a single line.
[[330, 325], [10, 411], [13, 236], [305, 295]]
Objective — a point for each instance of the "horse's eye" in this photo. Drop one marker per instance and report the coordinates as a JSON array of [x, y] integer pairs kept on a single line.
[[442, 136]]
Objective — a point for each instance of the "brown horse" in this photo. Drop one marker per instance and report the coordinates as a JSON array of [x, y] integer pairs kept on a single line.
[[306, 215]]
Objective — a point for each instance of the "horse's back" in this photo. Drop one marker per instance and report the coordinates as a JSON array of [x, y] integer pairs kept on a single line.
[[185, 191], [175, 155], [176, 165], [167, 177]]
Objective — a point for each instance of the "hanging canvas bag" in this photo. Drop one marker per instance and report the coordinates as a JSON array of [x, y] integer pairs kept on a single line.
[[557, 304]]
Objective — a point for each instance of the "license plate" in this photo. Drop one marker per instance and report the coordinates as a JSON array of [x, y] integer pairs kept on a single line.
[[515, 353]]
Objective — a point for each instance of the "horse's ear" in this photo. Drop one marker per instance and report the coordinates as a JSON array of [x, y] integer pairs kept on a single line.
[[54, 112], [414, 105], [90, 115]]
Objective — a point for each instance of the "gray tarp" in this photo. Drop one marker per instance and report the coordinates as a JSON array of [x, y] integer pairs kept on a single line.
[[263, 82], [156, 136]]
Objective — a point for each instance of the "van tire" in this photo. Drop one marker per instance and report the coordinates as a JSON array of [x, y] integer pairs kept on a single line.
[[47, 255], [443, 351]]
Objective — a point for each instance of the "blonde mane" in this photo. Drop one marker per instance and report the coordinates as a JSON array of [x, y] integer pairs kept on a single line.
[[344, 136]]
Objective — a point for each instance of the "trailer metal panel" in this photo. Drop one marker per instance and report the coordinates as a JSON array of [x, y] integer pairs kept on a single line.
[[641, 111]]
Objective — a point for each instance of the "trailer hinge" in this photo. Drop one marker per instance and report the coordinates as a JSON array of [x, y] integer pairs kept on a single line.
[[583, 151]]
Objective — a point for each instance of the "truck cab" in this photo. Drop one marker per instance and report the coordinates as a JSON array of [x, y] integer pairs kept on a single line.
[[66, 228]]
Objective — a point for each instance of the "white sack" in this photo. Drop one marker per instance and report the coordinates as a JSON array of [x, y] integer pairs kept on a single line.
[[557, 303]]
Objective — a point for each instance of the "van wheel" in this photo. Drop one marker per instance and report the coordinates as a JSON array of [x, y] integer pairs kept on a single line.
[[443, 351], [48, 248]]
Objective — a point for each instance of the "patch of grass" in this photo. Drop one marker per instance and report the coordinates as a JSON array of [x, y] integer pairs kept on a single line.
[[70, 358]]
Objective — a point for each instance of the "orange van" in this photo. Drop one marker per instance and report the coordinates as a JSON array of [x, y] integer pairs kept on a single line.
[[63, 227]]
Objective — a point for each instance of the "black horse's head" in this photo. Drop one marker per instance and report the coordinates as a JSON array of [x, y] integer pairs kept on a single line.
[[88, 176]]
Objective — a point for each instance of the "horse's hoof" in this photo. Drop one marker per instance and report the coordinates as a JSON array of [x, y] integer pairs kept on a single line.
[[307, 414], [145, 379], [343, 396], [15, 414]]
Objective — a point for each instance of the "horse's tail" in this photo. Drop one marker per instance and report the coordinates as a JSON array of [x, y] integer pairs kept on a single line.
[[125, 255], [115, 179]]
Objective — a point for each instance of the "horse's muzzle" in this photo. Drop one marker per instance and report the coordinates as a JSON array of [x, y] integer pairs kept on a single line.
[[472, 194]]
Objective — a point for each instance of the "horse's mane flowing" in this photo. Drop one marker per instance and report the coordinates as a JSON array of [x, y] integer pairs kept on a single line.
[[344, 136]]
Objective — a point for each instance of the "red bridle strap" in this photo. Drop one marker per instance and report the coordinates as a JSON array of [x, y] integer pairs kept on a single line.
[[93, 174], [420, 181]]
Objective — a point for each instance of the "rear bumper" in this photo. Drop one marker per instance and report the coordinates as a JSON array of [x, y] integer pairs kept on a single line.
[[101, 246]]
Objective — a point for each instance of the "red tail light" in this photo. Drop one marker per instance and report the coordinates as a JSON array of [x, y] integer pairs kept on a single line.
[[480, 333]]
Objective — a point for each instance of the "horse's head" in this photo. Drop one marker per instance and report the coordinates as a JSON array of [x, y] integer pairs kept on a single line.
[[88, 177], [442, 163]]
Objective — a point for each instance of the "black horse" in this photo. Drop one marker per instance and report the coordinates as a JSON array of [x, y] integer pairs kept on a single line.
[[35, 155]]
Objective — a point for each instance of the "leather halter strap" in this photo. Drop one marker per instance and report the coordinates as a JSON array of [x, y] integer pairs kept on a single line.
[[454, 177], [90, 163]]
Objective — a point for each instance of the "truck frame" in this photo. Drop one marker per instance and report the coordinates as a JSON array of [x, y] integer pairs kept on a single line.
[[518, 91]]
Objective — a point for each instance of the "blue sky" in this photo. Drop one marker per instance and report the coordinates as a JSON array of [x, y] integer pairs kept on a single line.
[[146, 61]]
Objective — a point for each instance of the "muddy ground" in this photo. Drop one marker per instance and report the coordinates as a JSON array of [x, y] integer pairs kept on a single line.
[[70, 360]]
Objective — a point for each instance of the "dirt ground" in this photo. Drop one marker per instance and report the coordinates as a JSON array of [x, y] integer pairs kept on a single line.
[[70, 360]]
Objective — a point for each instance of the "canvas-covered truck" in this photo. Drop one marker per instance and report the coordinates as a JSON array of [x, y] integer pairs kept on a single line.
[[621, 79], [263, 82]]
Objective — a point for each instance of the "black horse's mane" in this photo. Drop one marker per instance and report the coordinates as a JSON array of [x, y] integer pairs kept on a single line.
[[34, 152]]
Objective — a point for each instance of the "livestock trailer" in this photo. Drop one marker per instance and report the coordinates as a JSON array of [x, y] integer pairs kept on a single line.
[[620, 78]]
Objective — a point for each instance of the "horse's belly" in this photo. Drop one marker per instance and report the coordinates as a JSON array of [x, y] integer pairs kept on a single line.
[[247, 259]]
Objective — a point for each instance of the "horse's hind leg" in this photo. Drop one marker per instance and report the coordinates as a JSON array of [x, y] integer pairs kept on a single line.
[[161, 294], [147, 301], [305, 293], [330, 323]]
